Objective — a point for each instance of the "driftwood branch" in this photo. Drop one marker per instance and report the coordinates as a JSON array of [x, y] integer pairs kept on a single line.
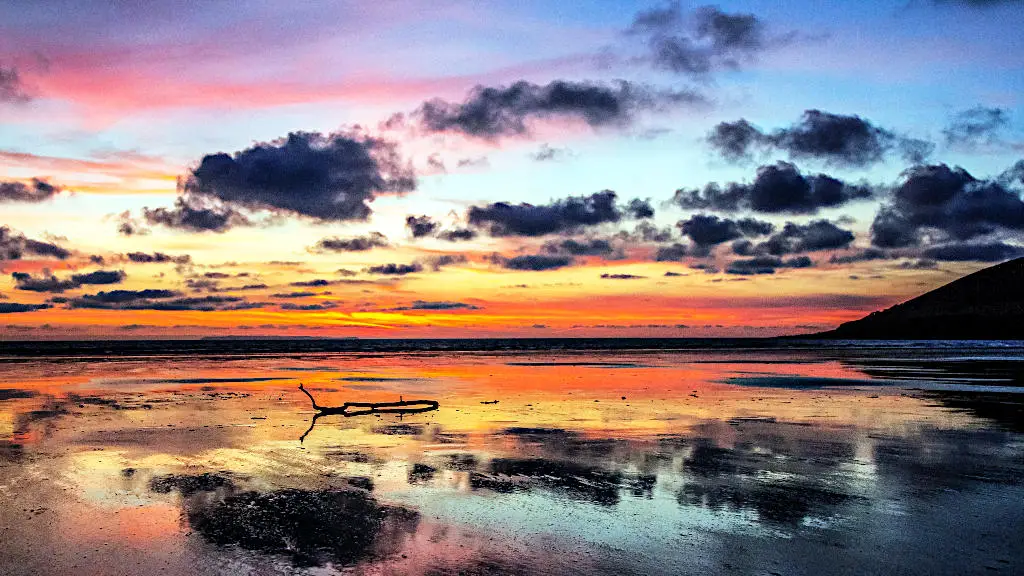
[[366, 408]]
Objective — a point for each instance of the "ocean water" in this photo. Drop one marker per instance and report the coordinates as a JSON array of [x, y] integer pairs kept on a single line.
[[543, 457]]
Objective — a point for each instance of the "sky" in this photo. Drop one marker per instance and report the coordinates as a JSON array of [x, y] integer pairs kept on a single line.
[[410, 169]]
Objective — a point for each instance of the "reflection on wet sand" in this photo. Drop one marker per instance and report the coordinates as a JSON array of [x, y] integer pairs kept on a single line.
[[673, 464]]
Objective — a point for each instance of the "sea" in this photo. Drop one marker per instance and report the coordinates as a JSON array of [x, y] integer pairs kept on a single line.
[[512, 456]]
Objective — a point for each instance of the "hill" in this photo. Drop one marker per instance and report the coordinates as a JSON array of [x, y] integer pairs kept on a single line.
[[985, 305]]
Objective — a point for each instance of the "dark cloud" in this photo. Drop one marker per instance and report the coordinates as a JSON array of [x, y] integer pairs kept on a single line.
[[196, 215], [920, 264], [777, 188], [640, 209], [621, 277], [866, 255], [438, 261], [964, 252], [12, 90], [736, 140], [743, 247], [493, 112], [837, 139], [533, 262], [392, 269], [309, 307], [671, 253], [15, 307], [329, 178], [157, 258], [421, 226], [50, 283], [976, 126], [14, 246], [165, 300], [354, 244], [35, 192], [705, 42], [591, 247], [46, 249], [442, 305], [947, 202], [293, 294], [705, 267], [313, 283], [709, 230], [119, 296], [765, 264], [560, 216], [457, 234], [810, 237], [100, 277]]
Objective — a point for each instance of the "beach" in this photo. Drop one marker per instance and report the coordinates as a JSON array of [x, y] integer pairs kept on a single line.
[[736, 458]]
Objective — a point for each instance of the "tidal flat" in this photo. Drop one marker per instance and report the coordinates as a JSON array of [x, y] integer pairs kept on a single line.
[[805, 458]]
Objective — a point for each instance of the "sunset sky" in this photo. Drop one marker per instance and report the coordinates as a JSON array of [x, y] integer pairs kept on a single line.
[[478, 169]]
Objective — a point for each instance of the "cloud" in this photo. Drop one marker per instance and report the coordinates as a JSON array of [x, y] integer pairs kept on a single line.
[[532, 262], [354, 244], [421, 226], [810, 237], [457, 234], [329, 178], [196, 215], [560, 216], [976, 126], [309, 307], [15, 307], [548, 154], [671, 253], [442, 305], [591, 247], [392, 269], [708, 41], [313, 283], [436, 262], [12, 90], [765, 264], [157, 258], [127, 225], [948, 202], [866, 255], [647, 232], [37, 191], [492, 112], [50, 283], [293, 294], [621, 277], [640, 209], [165, 300], [100, 277], [778, 188], [14, 246], [709, 230], [836, 139], [964, 252]]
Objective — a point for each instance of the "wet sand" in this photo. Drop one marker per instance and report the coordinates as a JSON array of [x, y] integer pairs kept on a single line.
[[810, 460]]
